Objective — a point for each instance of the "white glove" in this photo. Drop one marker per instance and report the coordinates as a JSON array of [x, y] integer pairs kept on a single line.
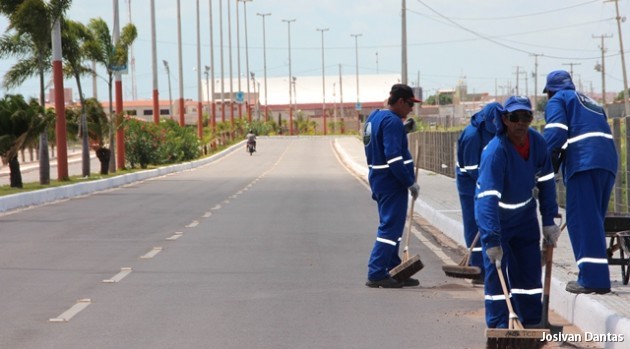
[[495, 254], [551, 233], [414, 190]]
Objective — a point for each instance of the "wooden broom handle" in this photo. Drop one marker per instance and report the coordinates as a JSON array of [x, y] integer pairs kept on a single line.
[[406, 248], [513, 318]]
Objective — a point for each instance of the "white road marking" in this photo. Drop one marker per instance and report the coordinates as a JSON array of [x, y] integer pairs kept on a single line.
[[176, 236], [74, 310], [207, 214], [152, 253], [216, 207], [193, 224], [123, 272]]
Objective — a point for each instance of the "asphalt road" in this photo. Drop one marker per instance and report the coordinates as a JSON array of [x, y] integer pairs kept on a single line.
[[262, 251]]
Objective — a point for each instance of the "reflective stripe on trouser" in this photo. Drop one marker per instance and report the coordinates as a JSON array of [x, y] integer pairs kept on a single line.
[[522, 271], [470, 229], [392, 210], [588, 193]]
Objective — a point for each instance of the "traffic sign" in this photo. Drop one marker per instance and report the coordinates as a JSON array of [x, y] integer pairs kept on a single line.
[[240, 97], [357, 106]]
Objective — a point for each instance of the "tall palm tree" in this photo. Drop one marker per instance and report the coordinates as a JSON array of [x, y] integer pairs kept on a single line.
[[74, 36], [102, 50], [34, 19]]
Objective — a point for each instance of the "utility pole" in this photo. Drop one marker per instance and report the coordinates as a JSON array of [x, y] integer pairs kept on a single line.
[[230, 62], [403, 70], [154, 66], [323, 80], [170, 96], [623, 66], [341, 97], [263, 15], [518, 74], [602, 68], [288, 21], [536, 55], [180, 62], [571, 64], [356, 58], [248, 103], [199, 89], [213, 110]]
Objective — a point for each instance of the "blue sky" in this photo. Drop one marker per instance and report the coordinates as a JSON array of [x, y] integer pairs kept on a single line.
[[479, 41]]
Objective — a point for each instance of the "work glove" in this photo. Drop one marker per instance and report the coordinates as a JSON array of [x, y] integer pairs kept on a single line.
[[535, 191], [414, 190], [410, 125], [494, 254], [551, 233]]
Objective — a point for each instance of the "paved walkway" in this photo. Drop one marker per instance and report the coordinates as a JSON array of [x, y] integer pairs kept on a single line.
[[439, 204]]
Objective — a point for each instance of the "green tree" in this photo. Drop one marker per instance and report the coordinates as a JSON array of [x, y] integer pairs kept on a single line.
[[20, 124], [102, 50], [75, 36], [34, 19]]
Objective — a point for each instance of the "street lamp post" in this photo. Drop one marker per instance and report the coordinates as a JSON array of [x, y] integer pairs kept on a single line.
[[323, 80], [356, 58], [290, 75], [249, 112], [263, 15], [207, 73], [170, 96], [213, 105]]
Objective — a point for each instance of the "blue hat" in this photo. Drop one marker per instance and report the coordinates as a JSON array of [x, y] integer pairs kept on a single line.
[[517, 103], [558, 80]]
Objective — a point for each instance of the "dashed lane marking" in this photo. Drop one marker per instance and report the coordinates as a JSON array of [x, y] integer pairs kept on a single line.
[[74, 310], [175, 236], [192, 224], [123, 272], [152, 253]]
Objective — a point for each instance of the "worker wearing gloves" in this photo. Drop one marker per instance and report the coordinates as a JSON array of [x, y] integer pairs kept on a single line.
[[471, 142], [391, 177], [580, 143], [513, 163]]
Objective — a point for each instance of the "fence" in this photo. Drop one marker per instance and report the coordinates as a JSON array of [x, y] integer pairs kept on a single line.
[[438, 154]]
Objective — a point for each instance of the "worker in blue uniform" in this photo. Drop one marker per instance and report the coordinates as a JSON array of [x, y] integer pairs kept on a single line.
[[581, 145], [391, 176], [514, 163], [470, 143]]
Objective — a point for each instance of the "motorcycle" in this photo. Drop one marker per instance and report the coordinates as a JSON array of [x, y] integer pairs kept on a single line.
[[251, 148]]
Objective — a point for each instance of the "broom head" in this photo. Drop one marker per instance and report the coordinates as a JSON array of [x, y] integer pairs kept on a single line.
[[504, 338], [462, 271], [406, 269]]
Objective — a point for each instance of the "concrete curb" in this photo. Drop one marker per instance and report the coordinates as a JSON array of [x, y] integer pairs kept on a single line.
[[38, 197]]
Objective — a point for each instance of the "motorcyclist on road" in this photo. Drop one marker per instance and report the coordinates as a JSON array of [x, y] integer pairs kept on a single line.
[[251, 140]]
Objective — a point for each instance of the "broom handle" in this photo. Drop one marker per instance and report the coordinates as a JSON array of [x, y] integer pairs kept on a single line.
[[470, 249], [406, 249], [547, 286], [514, 323]]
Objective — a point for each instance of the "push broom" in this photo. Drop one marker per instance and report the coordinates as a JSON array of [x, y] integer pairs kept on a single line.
[[463, 270], [544, 320], [516, 336], [408, 266]]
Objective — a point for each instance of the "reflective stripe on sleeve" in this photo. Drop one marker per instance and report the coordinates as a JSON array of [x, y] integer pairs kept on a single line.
[[589, 135], [489, 193], [398, 158], [557, 125], [530, 292], [546, 177]]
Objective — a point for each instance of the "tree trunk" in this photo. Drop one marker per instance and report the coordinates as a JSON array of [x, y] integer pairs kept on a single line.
[[85, 148], [103, 155], [15, 175]]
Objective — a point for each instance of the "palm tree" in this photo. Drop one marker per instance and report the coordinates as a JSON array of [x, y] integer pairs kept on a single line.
[[20, 124], [34, 20], [102, 50], [74, 36]]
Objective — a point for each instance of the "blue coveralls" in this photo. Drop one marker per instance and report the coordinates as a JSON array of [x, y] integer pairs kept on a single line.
[[471, 142], [390, 175], [578, 126], [506, 214]]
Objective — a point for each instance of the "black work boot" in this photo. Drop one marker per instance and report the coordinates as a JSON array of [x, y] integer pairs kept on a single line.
[[388, 282]]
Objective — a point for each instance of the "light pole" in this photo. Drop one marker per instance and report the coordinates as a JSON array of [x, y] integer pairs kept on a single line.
[[323, 80], [404, 43], [230, 62], [199, 92], [207, 73], [263, 15], [170, 96], [290, 75], [249, 113], [182, 107], [213, 106], [623, 62], [356, 57]]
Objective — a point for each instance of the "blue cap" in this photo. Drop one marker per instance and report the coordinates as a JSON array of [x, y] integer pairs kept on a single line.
[[558, 80], [517, 103]]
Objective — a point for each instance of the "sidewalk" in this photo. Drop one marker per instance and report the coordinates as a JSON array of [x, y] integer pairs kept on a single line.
[[74, 155], [439, 205]]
